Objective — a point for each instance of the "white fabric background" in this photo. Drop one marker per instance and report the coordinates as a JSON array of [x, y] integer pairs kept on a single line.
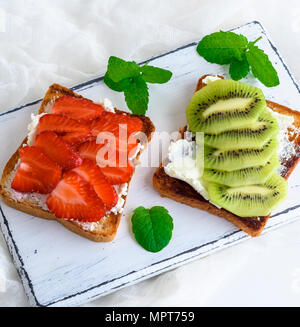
[[69, 41]]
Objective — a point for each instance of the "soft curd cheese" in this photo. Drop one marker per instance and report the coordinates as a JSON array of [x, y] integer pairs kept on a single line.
[[286, 148], [32, 127], [182, 165], [210, 78]]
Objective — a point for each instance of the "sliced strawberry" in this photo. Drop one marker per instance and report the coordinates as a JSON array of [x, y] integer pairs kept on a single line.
[[90, 172], [74, 198], [118, 175], [119, 126], [114, 172], [117, 170], [55, 148], [89, 150], [109, 122], [80, 109], [130, 147], [36, 173], [69, 129]]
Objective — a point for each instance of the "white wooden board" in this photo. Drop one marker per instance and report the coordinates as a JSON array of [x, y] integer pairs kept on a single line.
[[59, 268]]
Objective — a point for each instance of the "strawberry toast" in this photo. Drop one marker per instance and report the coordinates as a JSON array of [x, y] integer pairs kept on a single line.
[[57, 172]]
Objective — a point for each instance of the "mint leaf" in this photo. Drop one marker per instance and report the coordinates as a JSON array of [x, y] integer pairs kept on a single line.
[[128, 77], [118, 69], [111, 84], [222, 47], [239, 69], [261, 66], [153, 74], [136, 95], [152, 228], [234, 49]]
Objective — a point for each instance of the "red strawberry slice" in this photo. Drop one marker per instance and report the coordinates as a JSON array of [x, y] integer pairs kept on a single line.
[[110, 122], [74, 198], [89, 150], [36, 173], [69, 129], [121, 127], [90, 172], [80, 109], [118, 175], [55, 148], [113, 171], [117, 171]]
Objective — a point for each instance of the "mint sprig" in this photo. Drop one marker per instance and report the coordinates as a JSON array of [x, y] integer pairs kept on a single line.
[[235, 49], [130, 78], [222, 47], [261, 66], [152, 74], [239, 69], [137, 95], [152, 228]]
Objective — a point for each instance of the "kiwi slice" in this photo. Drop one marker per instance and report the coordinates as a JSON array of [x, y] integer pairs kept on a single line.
[[230, 160], [246, 176], [250, 200], [251, 136], [224, 105]]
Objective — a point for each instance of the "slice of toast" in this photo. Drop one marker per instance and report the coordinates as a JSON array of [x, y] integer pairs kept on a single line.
[[102, 231], [182, 192]]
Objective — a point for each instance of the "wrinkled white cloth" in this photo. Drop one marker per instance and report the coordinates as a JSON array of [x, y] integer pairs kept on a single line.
[[69, 42]]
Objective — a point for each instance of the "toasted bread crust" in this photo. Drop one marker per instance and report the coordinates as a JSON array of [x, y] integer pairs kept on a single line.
[[182, 192], [107, 226]]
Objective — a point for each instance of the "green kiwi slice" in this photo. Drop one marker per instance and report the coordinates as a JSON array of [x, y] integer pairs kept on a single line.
[[246, 176], [250, 200], [251, 136], [224, 105], [230, 160]]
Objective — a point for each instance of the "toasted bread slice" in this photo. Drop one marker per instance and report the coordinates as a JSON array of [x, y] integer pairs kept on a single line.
[[182, 192], [103, 230]]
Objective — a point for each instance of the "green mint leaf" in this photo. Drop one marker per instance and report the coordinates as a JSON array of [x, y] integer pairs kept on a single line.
[[136, 95], [118, 69], [152, 228], [230, 48], [153, 74], [222, 47], [111, 84], [128, 77], [239, 69], [261, 66]]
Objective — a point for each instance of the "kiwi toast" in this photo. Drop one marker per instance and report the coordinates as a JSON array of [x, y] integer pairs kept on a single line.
[[103, 230], [243, 174]]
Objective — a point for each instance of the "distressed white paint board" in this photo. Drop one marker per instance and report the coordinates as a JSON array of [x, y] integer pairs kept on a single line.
[[58, 267]]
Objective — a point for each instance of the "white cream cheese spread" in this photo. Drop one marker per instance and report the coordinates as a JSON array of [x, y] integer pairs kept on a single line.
[[182, 165], [286, 148], [210, 78], [107, 105], [32, 127]]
